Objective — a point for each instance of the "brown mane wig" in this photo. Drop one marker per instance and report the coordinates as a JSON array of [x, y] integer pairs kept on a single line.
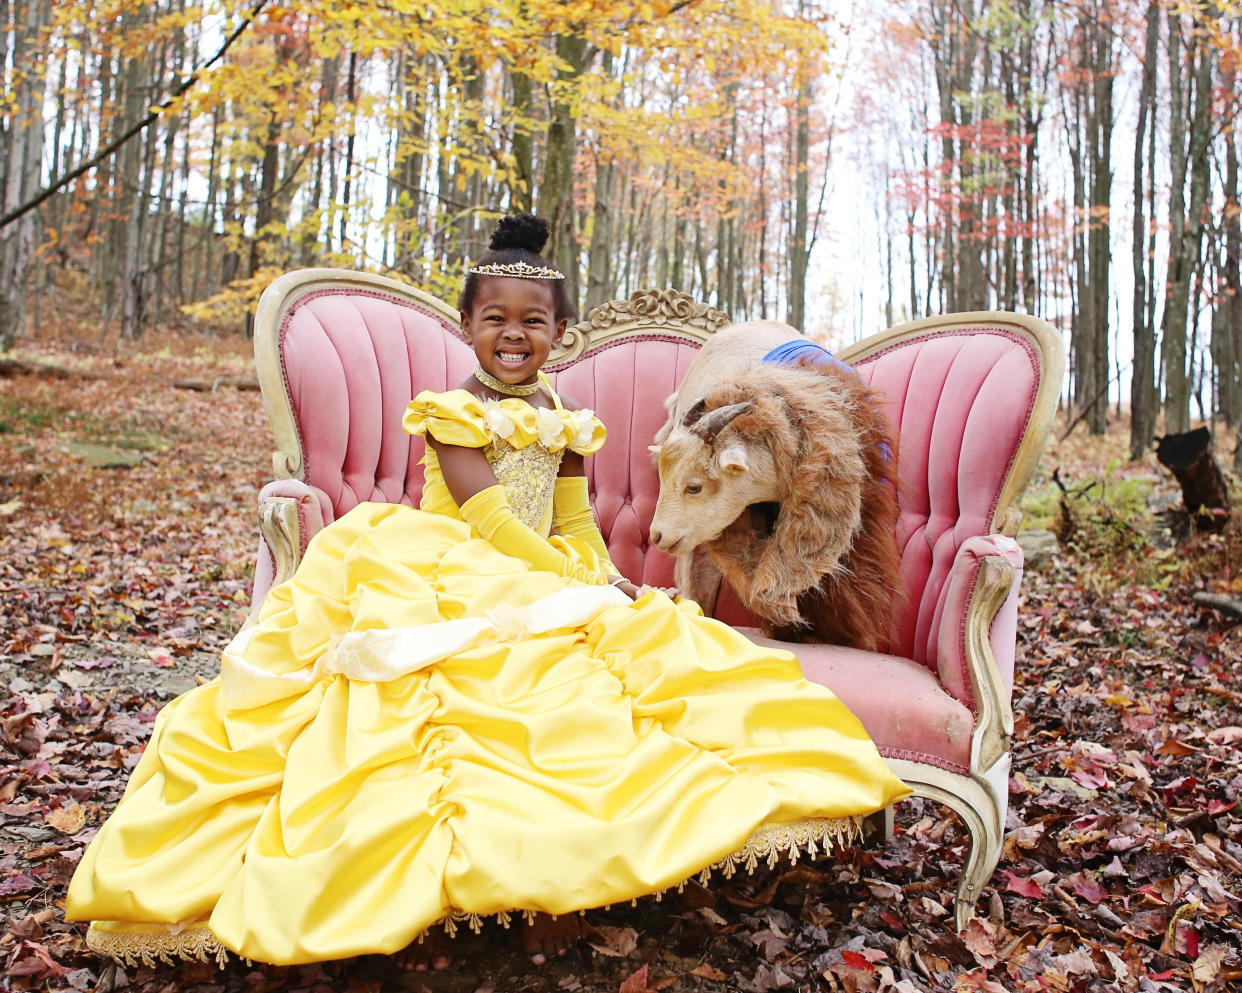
[[822, 565]]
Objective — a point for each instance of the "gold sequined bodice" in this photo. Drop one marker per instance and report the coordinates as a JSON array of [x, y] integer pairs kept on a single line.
[[528, 476]]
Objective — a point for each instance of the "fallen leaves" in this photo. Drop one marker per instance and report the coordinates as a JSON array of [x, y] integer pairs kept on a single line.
[[617, 942], [68, 819], [1122, 854], [1022, 885]]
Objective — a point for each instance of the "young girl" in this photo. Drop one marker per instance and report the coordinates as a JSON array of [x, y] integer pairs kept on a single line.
[[464, 711]]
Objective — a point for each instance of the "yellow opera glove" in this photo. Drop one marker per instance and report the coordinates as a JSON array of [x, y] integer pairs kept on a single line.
[[572, 515], [488, 512]]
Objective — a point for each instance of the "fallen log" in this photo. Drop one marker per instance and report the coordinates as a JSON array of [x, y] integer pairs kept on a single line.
[[1218, 601], [11, 368], [236, 382]]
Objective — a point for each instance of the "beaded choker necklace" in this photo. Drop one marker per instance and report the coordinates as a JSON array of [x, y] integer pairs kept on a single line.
[[491, 382]]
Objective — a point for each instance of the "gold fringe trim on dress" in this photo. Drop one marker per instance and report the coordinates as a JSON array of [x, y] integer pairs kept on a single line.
[[134, 948], [810, 836]]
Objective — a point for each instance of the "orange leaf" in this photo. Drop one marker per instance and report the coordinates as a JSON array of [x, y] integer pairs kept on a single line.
[[1175, 747]]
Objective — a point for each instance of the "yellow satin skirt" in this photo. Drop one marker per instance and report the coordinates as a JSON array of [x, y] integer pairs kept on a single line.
[[423, 730]]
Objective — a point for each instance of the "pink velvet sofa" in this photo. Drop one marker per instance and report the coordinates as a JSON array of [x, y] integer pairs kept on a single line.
[[971, 396]]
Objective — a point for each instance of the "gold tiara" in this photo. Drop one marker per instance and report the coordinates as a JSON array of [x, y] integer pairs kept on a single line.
[[519, 269]]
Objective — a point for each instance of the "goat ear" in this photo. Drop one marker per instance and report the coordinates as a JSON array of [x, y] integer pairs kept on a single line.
[[654, 450], [691, 416], [733, 460]]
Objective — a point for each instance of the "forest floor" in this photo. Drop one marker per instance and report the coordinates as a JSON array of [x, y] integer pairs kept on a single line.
[[127, 532]]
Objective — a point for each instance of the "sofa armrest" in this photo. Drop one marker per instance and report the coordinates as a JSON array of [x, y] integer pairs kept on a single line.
[[977, 638], [290, 515]]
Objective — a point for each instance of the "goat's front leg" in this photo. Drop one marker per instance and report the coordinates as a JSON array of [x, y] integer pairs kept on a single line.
[[697, 578]]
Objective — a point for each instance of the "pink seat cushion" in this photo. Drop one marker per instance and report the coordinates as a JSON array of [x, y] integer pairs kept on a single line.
[[900, 704]]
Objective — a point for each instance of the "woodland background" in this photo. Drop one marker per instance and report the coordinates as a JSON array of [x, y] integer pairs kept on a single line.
[[842, 169]]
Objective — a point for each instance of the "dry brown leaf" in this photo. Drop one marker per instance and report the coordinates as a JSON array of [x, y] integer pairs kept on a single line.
[[980, 938], [1207, 966], [68, 819], [616, 942], [1226, 735]]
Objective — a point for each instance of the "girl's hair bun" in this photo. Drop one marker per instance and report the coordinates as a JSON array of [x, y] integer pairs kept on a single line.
[[520, 231]]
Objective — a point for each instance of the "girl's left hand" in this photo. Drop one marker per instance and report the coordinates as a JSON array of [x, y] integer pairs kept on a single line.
[[634, 592], [625, 586]]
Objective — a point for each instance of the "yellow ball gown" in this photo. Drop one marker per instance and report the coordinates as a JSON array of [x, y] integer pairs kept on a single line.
[[422, 729]]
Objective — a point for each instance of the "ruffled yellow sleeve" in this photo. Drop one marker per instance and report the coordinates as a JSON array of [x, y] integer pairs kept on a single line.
[[458, 417], [588, 434], [578, 430], [453, 418]]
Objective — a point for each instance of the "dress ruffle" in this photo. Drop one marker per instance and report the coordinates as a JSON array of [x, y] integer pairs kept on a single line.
[[458, 417], [604, 752], [421, 730], [134, 946]]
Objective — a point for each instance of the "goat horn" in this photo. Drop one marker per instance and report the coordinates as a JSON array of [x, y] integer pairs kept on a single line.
[[691, 416], [713, 422]]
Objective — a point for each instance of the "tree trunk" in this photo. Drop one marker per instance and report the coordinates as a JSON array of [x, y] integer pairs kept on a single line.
[[1190, 161], [599, 276], [522, 189], [1188, 456], [726, 226], [600, 287], [1101, 140], [556, 190], [1082, 358], [799, 250], [1142, 379], [144, 79], [1231, 278], [23, 159], [351, 78]]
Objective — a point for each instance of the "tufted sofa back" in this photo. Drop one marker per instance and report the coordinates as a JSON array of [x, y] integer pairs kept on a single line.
[[350, 358], [960, 400]]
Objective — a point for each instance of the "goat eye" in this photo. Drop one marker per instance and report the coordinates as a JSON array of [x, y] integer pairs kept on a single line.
[[694, 488]]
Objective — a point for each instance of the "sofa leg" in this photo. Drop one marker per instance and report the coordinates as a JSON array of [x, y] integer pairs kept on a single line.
[[979, 811], [981, 859], [879, 826]]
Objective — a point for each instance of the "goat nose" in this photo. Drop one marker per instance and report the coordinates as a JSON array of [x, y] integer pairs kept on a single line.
[[655, 537]]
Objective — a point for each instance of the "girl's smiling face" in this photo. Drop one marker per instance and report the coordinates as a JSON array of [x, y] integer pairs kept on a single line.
[[512, 327]]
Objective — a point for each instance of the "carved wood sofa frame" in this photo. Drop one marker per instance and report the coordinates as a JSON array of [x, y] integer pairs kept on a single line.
[[340, 354]]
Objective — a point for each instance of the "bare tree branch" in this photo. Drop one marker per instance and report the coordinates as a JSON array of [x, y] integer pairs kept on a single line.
[[111, 147]]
